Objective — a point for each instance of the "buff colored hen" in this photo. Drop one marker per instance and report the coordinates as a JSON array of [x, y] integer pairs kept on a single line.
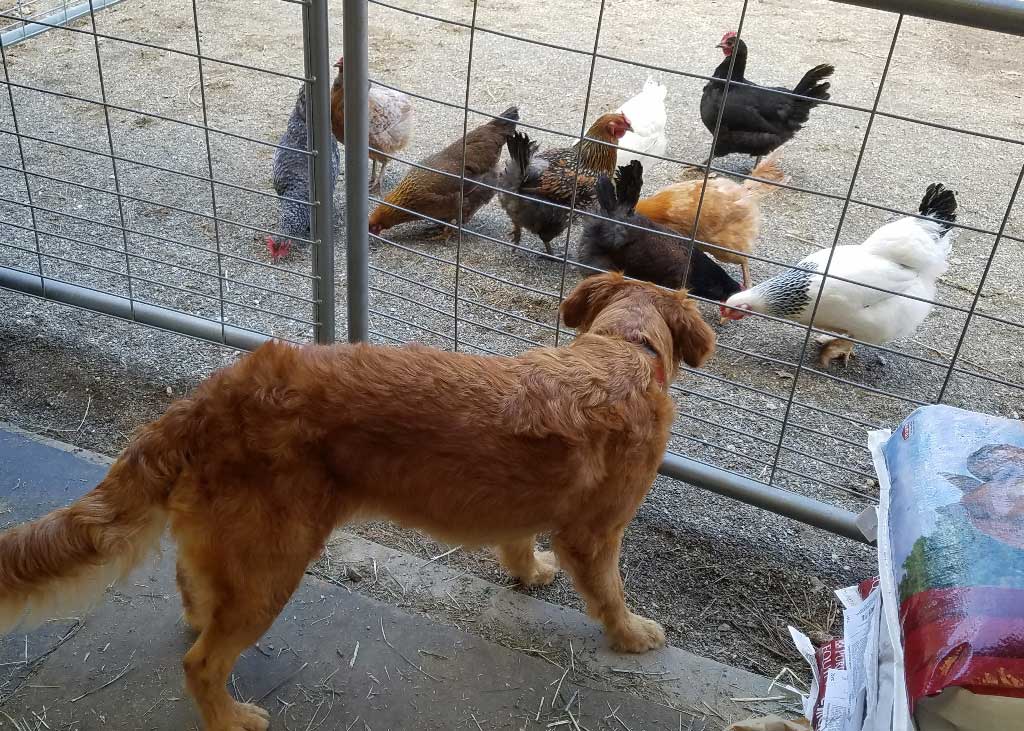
[[730, 216]]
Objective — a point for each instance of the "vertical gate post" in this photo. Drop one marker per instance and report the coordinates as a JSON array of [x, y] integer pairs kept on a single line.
[[357, 179], [316, 34]]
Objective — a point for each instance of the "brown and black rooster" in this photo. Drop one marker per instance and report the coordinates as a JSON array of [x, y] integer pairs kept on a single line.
[[549, 175], [435, 195]]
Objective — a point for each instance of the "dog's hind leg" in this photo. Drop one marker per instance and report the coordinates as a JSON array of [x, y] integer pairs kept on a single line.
[[192, 599], [592, 559], [532, 568], [245, 596], [240, 569]]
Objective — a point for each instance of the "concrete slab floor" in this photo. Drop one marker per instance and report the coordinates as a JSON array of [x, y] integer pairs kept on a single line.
[[337, 659]]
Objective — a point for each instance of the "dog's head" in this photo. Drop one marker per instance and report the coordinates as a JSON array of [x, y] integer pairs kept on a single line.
[[666, 320]]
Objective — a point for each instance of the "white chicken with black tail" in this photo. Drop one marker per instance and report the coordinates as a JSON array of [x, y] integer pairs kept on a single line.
[[646, 115], [906, 256]]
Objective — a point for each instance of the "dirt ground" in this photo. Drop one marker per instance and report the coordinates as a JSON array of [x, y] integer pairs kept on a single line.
[[724, 578]]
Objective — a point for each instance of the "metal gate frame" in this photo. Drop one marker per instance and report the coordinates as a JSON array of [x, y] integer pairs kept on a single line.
[[1005, 16]]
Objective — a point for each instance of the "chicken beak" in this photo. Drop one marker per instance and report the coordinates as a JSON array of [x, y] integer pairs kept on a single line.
[[733, 313], [720, 45]]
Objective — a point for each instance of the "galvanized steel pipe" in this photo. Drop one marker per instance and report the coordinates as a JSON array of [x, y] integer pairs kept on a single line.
[[1002, 16], [318, 113], [357, 179]]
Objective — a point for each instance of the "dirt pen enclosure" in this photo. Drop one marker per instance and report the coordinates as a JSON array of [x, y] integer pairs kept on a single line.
[[723, 577]]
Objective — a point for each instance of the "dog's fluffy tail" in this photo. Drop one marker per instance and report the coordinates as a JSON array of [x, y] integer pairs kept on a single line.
[[66, 559]]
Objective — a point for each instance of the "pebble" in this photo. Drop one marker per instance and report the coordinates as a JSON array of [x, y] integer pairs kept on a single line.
[[353, 574]]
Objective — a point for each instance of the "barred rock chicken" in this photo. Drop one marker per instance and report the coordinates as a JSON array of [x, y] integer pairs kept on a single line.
[[437, 196], [757, 120], [549, 176], [730, 215], [646, 115], [906, 256], [391, 122], [291, 179], [641, 254]]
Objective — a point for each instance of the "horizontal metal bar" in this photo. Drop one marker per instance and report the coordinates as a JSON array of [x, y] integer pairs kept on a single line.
[[790, 504], [1002, 16], [122, 307]]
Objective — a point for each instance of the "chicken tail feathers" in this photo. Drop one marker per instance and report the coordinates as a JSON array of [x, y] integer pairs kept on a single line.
[[939, 203], [629, 179], [520, 152], [606, 195], [769, 170], [812, 83], [507, 122]]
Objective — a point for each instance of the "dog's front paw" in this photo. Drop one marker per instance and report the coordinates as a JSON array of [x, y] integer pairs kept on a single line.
[[638, 634], [245, 717], [545, 566]]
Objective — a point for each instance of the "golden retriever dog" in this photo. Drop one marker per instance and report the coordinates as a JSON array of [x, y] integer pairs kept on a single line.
[[255, 469]]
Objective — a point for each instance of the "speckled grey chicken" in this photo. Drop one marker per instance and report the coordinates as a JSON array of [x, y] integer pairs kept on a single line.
[[550, 176], [291, 179]]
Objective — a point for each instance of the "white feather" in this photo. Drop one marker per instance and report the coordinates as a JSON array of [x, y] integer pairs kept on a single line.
[[647, 117]]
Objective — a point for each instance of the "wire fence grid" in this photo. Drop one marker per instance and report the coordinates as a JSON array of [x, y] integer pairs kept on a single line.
[[134, 180]]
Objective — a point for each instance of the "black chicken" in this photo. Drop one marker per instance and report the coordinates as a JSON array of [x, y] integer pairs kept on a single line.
[[757, 120], [648, 255]]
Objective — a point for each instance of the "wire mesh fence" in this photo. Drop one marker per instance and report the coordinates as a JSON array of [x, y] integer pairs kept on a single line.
[[137, 178], [128, 172], [762, 415]]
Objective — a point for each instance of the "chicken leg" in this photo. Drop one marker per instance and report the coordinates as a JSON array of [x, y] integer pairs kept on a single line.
[[374, 181], [834, 348], [745, 268], [378, 181]]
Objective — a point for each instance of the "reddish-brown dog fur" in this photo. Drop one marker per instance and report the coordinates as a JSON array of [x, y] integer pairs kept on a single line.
[[256, 468]]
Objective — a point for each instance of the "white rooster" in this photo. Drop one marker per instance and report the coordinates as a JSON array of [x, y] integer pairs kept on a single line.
[[905, 256], [646, 114]]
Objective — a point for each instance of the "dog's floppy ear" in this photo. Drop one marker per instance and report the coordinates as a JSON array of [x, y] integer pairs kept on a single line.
[[693, 340], [590, 297]]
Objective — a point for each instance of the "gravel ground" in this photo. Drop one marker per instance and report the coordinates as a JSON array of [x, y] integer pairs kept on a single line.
[[724, 578]]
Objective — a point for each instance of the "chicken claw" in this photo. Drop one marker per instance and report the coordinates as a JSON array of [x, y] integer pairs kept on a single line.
[[834, 348]]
